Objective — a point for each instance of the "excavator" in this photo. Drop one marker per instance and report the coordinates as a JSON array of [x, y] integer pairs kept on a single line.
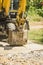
[[13, 22]]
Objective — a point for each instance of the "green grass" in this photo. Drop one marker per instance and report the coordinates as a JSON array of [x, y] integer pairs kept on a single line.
[[35, 18], [36, 35]]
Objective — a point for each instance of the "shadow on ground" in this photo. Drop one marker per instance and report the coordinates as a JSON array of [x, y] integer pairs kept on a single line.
[[6, 46]]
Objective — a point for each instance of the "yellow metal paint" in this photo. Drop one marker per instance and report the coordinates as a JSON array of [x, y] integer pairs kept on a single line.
[[22, 6], [0, 4], [6, 5]]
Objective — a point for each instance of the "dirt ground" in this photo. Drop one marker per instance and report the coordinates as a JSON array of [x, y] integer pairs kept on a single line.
[[29, 54], [36, 25]]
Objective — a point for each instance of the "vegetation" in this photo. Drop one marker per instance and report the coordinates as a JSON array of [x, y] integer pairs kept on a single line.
[[36, 35], [35, 9]]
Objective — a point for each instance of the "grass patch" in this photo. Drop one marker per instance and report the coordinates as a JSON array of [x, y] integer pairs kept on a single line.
[[36, 35], [35, 18]]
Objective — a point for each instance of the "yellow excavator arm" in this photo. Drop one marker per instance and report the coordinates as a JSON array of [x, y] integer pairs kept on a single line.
[[0, 4], [6, 5], [22, 6]]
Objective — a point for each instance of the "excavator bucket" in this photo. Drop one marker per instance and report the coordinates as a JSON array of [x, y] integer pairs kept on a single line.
[[18, 37]]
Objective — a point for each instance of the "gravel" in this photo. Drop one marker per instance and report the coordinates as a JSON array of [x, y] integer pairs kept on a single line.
[[21, 55]]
